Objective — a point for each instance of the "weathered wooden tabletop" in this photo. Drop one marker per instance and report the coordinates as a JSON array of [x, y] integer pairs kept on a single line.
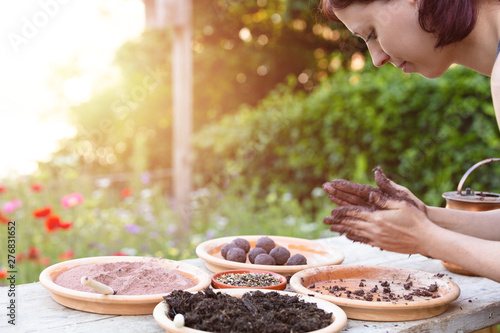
[[477, 307]]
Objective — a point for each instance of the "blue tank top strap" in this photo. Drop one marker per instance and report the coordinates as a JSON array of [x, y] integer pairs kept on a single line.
[[498, 48]]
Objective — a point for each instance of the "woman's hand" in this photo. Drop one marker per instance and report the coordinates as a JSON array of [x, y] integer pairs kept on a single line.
[[397, 225], [346, 193]]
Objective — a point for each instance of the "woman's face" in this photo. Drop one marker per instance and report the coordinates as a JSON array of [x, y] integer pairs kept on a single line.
[[393, 34]]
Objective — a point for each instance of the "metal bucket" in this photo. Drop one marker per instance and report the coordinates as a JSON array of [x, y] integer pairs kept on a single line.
[[471, 201]]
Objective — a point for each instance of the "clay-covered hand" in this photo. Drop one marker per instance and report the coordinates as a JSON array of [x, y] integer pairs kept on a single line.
[[397, 226], [346, 193]]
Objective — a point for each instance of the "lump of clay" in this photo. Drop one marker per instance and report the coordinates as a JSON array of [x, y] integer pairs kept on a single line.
[[297, 259], [236, 254], [266, 243], [254, 253], [226, 248], [242, 244], [280, 255], [264, 259]]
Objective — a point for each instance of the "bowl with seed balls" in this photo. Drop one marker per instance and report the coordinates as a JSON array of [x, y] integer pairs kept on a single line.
[[248, 279]]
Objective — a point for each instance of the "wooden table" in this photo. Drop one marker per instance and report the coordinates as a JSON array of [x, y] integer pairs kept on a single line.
[[477, 307]]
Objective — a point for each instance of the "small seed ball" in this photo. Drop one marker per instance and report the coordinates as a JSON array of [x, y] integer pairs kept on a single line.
[[264, 259], [297, 259], [242, 244], [280, 255], [225, 248], [236, 254], [266, 243], [254, 253]]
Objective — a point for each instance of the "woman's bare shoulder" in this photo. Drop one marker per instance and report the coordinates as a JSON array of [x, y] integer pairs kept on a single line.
[[495, 88]]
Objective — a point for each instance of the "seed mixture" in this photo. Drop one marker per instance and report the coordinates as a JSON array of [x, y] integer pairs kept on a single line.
[[249, 279], [255, 311]]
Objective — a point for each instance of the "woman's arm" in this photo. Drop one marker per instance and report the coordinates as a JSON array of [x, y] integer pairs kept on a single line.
[[402, 227], [495, 88], [485, 225]]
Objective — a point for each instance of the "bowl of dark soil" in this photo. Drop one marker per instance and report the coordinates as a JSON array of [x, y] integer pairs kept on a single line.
[[136, 284], [247, 310], [378, 293], [247, 278]]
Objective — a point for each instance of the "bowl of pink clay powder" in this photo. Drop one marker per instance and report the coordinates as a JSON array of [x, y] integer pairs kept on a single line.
[[120, 285]]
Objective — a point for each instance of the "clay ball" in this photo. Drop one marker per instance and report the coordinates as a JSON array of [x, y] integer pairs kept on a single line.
[[280, 255], [297, 259], [264, 259], [266, 243], [254, 253], [236, 254], [225, 248], [242, 244]]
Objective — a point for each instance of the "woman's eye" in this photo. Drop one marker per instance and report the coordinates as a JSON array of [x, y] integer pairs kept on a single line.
[[372, 35]]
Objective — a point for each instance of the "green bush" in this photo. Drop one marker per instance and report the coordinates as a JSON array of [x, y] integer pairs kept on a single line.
[[424, 133]]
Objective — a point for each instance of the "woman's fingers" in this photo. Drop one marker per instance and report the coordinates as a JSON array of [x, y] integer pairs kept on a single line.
[[390, 188], [346, 186], [344, 193]]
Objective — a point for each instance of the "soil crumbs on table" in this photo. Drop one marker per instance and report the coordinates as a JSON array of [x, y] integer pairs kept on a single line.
[[381, 291], [255, 311]]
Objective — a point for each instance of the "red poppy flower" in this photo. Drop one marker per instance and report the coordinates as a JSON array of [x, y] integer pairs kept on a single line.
[[36, 187], [52, 223], [2, 189], [67, 255], [42, 212], [66, 225], [33, 253], [20, 257], [119, 253], [44, 261], [4, 219], [126, 192], [3, 273]]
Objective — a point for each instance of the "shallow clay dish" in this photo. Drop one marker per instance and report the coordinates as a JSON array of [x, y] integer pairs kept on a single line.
[[350, 276], [339, 318], [219, 285], [317, 254], [115, 304]]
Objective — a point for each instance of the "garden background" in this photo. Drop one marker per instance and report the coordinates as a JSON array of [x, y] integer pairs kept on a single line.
[[283, 101]]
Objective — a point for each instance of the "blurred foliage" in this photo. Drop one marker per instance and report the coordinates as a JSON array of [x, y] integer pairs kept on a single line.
[[424, 133], [241, 51], [278, 108]]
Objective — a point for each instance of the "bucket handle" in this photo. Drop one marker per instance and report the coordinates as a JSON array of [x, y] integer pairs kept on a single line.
[[474, 167]]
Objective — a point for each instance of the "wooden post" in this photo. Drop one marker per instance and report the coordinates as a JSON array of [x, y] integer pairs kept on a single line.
[[177, 14], [183, 113]]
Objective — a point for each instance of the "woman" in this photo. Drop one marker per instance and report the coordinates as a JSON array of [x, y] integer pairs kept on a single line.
[[425, 37]]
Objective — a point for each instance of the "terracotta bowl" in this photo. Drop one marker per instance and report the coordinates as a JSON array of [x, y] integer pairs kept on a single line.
[[339, 318], [115, 304], [316, 253], [219, 285], [350, 276]]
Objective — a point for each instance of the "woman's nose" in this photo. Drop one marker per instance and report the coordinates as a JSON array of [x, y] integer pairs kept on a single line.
[[379, 57]]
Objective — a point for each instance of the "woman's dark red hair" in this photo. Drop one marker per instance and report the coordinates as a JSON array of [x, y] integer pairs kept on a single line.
[[450, 20]]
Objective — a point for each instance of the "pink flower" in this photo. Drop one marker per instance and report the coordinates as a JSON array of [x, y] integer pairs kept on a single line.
[[11, 206], [36, 187], [72, 200]]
